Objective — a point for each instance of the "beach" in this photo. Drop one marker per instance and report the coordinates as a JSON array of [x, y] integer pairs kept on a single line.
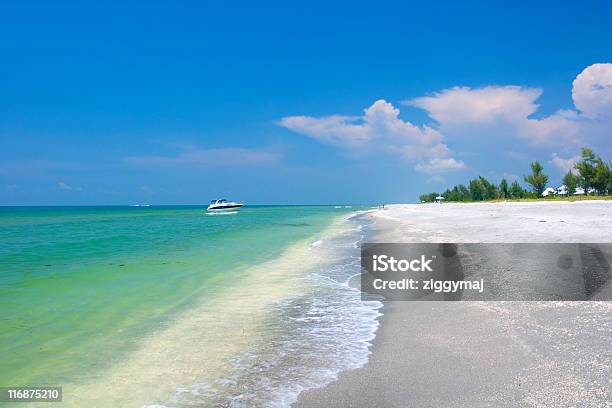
[[169, 307], [482, 354]]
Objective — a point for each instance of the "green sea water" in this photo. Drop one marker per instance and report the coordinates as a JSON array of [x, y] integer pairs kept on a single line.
[[81, 286]]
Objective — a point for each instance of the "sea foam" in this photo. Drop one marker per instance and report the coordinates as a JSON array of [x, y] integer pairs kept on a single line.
[[310, 337]]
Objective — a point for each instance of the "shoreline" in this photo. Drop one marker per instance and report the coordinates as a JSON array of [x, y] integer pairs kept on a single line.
[[242, 329], [266, 293], [466, 354]]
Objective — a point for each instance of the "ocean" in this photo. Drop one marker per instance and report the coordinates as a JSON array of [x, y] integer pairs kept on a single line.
[[171, 307]]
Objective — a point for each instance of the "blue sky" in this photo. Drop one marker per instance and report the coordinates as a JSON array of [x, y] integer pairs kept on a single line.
[[181, 102]]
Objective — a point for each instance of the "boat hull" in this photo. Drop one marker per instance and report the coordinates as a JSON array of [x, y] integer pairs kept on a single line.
[[224, 208]]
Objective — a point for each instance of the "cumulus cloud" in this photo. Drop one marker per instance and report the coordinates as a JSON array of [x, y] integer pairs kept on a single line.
[[378, 128], [498, 110], [557, 129], [194, 157], [509, 111], [565, 165], [592, 91], [503, 112], [460, 105]]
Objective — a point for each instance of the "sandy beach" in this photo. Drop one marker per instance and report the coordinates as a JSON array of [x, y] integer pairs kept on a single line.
[[485, 354]]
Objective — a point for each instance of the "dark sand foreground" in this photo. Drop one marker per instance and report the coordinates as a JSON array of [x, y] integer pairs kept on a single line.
[[485, 354]]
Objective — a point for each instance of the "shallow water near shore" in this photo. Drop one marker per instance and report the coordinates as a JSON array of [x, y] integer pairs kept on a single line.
[[163, 306]]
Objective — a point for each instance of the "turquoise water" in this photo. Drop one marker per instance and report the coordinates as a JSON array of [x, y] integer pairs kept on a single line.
[[80, 287]]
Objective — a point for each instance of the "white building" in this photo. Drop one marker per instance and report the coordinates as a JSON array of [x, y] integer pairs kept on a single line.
[[562, 190], [548, 191]]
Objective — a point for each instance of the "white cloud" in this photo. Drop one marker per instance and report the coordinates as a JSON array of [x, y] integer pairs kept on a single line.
[[335, 130], [592, 91], [193, 157], [483, 105], [505, 113], [499, 111], [565, 165], [439, 165], [557, 129], [508, 111], [378, 128]]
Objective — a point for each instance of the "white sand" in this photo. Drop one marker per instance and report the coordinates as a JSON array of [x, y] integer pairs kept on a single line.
[[485, 354], [555, 221]]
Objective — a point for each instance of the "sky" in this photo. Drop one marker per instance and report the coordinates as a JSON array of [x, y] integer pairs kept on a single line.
[[300, 102]]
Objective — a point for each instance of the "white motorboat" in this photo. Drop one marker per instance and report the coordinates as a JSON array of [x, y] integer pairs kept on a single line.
[[223, 205]]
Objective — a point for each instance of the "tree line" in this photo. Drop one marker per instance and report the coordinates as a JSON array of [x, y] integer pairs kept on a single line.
[[591, 173]]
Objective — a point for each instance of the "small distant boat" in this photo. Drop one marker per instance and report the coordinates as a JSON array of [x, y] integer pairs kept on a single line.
[[222, 205]]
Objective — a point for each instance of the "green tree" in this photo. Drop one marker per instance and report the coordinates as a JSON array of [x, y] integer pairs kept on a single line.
[[489, 189], [516, 191], [476, 190], [452, 195], [586, 168], [503, 189], [464, 193], [601, 177], [428, 198], [571, 181], [609, 186], [537, 179], [448, 195], [591, 172]]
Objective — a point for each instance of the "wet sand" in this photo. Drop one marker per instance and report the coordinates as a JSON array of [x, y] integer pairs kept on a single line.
[[484, 354]]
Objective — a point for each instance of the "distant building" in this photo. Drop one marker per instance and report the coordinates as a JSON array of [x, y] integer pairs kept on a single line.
[[562, 190], [439, 199], [549, 191]]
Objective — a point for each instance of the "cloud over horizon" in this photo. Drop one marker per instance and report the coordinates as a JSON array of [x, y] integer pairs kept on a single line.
[[504, 112], [498, 110], [378, 128], [565, 165]]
